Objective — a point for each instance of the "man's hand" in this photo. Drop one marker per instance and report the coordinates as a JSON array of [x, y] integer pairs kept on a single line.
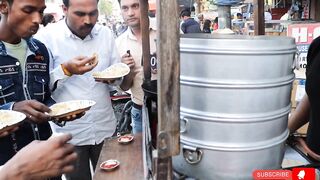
[[81, 64], [34, 110], [70, 118], [8, 130], [108, 81], [128, 60], [42, 159], [128, 79]]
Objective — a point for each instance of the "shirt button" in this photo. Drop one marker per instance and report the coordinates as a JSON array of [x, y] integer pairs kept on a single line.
[[42, 80], [17, 63]]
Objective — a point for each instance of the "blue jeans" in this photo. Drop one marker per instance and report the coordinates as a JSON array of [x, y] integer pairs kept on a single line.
[[136, 119]]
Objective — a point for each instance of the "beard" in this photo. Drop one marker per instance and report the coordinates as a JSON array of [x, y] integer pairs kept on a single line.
[[134, 25]]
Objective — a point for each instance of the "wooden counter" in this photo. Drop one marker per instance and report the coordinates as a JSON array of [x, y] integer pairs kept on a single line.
[[129, 156]]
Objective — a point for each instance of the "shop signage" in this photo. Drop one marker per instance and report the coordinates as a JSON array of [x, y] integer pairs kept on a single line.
[[304, 34]]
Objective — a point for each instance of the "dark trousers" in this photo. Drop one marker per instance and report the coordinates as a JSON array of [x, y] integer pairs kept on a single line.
[[86, 154]]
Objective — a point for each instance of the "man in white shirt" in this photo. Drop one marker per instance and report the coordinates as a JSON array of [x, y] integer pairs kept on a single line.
[[267, 16], [131, 40], [72, 42]]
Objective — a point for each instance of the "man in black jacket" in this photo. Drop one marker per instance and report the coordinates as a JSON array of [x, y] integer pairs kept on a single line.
[[24, 87], [24, 74]]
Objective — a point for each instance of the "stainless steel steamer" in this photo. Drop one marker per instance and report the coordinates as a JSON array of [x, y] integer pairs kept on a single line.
[[235, 100]]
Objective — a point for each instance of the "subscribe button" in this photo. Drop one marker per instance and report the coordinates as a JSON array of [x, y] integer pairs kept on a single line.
[[295, 174], [272, 174]]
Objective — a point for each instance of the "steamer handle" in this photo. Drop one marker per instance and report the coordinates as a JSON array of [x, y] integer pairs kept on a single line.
[[191, 154], [184, 124], [295, 64]]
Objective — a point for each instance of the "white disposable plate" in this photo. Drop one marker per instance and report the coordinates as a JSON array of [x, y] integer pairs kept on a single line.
[[115, 71], [9, 118], [68, 108]]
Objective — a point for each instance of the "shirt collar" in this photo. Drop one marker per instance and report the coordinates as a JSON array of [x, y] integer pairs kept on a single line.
[[130, 34], [3, 50], [30, 42], [32, 45], [68, 33]]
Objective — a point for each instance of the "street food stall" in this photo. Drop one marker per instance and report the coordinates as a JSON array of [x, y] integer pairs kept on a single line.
[[219, 112], [146, 156]]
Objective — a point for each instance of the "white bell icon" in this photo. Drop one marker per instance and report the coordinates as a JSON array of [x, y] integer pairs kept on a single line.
[[301, 174]]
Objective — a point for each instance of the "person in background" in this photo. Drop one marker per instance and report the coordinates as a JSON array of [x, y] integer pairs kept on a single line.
[[308, 109], [80, 47], [121, 28], [238, 24], [296, 10], [239, 16], [200, 20], [41, 160], [267, 15], [287, 15], [207, 26], [131, 40], [215, 24], [189, 25], [47, 18]]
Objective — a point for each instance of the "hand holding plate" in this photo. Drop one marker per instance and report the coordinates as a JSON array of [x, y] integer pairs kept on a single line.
[[9, 121], [34, 110], [6, 131], [112, 75], [107, 81], [71, 117], [69, 110]]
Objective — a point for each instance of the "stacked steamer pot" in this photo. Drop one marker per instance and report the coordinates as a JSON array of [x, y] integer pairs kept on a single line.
[[235, 101]]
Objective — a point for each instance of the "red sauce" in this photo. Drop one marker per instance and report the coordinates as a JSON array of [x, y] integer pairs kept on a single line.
[[109, 165], [125, 138]]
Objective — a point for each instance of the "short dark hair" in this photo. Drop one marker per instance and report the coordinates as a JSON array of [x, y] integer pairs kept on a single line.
[[207, 23], [239, 14], [185, 12], [46, 19], [67, 2], [216, 20], [10, 2]]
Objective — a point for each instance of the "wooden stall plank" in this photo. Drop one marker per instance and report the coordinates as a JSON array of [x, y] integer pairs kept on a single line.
[[258, 6], [129, 156]]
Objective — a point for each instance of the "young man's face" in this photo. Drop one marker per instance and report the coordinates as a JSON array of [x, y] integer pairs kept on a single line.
[[81, 16], [130, 11], [24, 16]]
